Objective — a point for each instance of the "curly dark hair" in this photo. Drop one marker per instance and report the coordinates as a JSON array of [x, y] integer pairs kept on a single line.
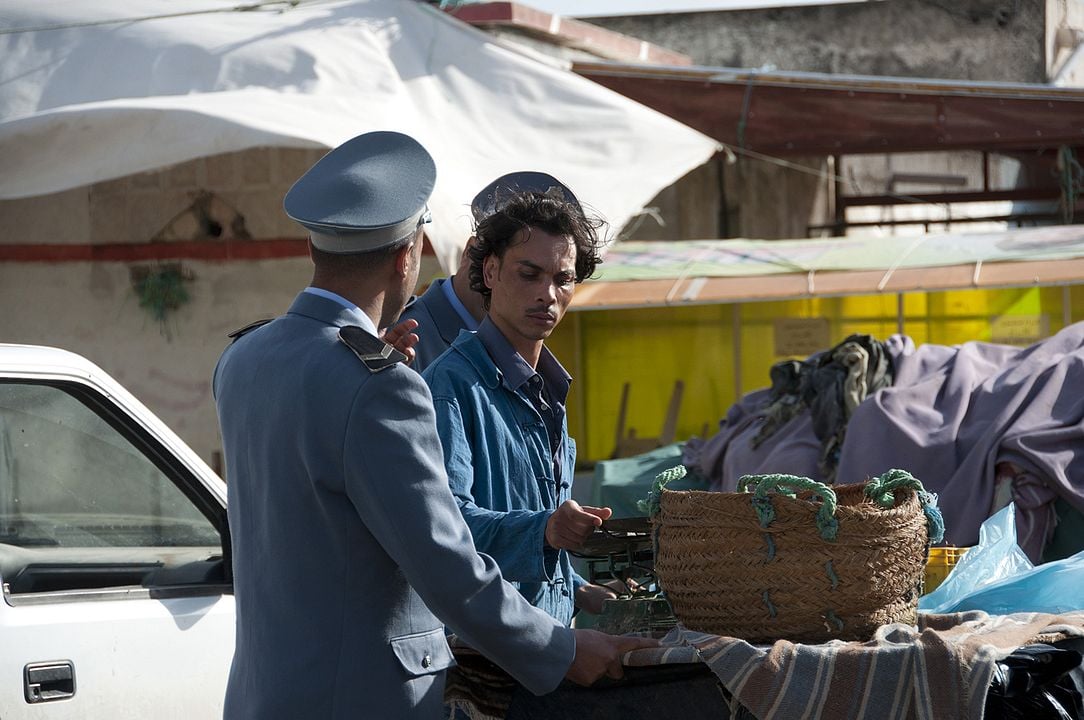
[[548, 212]]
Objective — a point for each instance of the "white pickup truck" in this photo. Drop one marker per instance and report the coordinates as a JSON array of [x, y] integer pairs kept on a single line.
[[114, 552]]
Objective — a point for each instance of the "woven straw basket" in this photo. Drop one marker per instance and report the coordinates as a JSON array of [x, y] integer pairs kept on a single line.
[[763, 565]]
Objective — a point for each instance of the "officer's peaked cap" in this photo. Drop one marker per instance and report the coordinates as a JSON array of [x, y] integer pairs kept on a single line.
[[368, 193]]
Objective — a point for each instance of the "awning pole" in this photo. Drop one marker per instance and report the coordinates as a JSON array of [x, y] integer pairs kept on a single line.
[[899, 313], [581, 393], [736, 341]]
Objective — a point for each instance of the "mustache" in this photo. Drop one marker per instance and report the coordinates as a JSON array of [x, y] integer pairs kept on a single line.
[[542, 310]]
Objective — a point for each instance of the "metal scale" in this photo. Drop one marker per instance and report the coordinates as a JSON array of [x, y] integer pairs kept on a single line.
[[623, 550]]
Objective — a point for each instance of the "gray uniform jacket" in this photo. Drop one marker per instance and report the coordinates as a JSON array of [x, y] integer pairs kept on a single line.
[[349, 550], [438, 324]]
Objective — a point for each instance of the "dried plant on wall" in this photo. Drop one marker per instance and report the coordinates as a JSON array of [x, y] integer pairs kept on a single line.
[[161, 289]]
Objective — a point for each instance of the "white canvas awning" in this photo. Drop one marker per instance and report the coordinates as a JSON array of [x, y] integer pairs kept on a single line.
[[97, 91]]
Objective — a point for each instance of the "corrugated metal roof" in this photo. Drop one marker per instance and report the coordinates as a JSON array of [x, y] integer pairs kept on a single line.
[[801, 113]]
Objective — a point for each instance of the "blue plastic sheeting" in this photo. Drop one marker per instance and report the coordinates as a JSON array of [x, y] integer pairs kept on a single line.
[[997, 577]]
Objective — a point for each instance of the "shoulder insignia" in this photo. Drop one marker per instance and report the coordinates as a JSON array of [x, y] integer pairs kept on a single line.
[[248, 328], [374, 352]]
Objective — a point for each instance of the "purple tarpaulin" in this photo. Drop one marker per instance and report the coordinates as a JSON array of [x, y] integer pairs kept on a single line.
[[954, 417]]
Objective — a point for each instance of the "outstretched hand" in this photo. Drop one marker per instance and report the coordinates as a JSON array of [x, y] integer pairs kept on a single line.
[[571, 524], [599, 654], [401, 337]]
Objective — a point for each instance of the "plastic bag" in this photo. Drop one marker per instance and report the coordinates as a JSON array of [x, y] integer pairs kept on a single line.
[[996, 557], [1036, 682], [997, 577]]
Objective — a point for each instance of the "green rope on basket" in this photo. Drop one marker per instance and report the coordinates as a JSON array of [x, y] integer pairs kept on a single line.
[[832, 575], [770, 542], [650, 505], [882, 491], [789, 485], [772, 612]]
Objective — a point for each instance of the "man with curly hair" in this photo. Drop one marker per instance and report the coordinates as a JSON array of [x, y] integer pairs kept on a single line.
[[500, 395], [449, 305]]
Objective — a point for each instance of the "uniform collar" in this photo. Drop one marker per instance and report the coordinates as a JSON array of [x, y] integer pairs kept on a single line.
[[331, 308]]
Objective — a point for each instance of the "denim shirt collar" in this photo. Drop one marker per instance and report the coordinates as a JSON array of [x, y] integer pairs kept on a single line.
[[514, 368]]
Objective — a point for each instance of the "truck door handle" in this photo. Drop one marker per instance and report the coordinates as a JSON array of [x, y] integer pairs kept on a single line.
[[49, 681]]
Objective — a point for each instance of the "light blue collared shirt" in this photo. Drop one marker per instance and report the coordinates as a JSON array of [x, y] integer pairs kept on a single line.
[[366, 321], [460, 309]]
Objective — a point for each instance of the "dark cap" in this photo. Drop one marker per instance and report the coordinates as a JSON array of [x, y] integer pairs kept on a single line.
[[494, 195], [368, 193]]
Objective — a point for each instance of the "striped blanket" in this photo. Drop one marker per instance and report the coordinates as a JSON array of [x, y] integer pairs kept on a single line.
[[940, 669]]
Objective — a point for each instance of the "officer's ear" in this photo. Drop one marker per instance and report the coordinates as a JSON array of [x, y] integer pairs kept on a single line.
[[405, 256]]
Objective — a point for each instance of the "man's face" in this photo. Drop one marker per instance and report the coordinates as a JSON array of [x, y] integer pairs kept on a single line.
[[531, 285]]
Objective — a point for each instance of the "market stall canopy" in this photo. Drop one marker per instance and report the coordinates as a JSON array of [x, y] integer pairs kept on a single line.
[[97, 91], [804, 113], [699, 272]]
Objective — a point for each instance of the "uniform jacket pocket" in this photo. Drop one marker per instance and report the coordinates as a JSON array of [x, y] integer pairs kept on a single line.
[[423, 653]]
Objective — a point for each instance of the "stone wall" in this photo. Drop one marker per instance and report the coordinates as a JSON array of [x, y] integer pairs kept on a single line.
[[993, 40], [93, 308], [134, 209], [1064, 42]]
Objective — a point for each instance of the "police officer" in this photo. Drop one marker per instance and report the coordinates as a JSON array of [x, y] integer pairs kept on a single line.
[[349, 552]]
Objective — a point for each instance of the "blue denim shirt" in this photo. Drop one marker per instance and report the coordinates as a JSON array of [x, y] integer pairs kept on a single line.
[[497, 455]]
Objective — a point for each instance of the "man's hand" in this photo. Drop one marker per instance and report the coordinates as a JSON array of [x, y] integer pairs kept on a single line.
[[599, 654], [570, 525], [589, 598], [402, 338]]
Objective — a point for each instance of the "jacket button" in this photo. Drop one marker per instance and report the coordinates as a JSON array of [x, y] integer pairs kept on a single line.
[[427, 661]]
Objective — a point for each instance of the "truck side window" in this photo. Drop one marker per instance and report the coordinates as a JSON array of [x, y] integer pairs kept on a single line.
[[85, 502]]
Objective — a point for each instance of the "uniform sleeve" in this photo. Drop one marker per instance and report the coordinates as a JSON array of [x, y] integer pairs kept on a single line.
[[395, 479], [515, 539]]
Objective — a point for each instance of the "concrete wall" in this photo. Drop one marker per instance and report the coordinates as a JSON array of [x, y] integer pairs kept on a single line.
[[686, 210], [996, 40], [135, 208], [93, 308], [772, 201], [746, 198], [1064, 42]]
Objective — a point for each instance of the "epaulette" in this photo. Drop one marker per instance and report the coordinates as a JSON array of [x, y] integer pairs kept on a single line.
[[374, 352], [248, 328]]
